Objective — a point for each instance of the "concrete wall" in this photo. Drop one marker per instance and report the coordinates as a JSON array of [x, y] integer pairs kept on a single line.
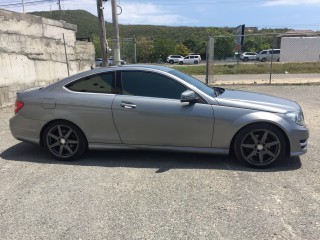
[[32, 52], [300, 49]]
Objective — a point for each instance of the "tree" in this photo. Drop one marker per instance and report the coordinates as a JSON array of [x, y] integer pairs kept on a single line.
[[190, 44], [223, 47], [161, 49], [144, 49], [182, 50]]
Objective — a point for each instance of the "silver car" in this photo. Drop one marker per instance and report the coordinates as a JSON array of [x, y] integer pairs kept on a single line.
[[158, 108]]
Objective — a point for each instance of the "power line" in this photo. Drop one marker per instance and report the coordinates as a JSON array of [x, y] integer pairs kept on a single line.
[[18, 4]]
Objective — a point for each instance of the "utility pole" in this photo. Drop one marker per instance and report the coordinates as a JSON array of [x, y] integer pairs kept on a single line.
[[23, 6], [102, 31], [116, 47], [59, 4]]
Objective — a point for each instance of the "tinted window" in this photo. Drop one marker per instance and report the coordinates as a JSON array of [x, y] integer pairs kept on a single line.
[[100, 83], [276, 51], [195, 82], [148, 84], [263, 52]]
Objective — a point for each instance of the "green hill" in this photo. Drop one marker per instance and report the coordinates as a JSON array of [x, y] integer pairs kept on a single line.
[[156, 42], [88, 24]]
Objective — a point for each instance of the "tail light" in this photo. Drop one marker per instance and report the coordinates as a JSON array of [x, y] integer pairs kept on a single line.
[[19, 105]]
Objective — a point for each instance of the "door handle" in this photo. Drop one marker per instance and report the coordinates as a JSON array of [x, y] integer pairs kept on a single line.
[[128, 105]]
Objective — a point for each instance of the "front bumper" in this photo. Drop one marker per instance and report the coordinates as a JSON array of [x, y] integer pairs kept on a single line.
[[299, 141]]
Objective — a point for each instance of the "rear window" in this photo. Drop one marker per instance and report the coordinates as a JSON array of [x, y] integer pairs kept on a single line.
[[99, 83]]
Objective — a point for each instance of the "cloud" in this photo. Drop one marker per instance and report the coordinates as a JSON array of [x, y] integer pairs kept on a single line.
[[291, 2], [148, 13]]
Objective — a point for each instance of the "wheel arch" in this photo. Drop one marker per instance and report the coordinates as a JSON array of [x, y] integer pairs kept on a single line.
[[261, 122], [58, 120]]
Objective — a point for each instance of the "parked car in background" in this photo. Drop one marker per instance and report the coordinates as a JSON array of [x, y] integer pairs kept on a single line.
[[157, 108], [247, 56], [174, 59], [266, 55], [191, 59], [98, 62]]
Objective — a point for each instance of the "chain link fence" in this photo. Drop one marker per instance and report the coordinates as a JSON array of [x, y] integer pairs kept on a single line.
[[264, 58], [127, 49]]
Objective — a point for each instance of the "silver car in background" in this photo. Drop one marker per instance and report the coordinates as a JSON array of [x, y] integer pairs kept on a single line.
[[158, 108]]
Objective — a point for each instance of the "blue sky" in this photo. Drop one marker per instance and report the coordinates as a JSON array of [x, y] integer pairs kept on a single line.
[[294, 14]]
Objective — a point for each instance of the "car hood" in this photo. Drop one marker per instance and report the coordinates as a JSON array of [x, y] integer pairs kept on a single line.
[[256, 101]]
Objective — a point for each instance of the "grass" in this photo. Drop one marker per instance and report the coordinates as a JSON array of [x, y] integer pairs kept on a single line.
[[258, 68]]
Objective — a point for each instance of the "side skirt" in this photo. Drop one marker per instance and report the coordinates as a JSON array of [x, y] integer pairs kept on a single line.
[[101, 146]]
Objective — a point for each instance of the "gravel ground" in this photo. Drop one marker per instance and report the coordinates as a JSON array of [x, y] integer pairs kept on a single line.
[[159, 195]]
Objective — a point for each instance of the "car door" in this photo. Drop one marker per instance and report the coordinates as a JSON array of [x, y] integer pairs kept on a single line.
[[149, 112], [90, 101], [187, 60]]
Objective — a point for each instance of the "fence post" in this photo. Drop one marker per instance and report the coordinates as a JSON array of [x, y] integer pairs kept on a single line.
[[207, 60], [135, 48], [271, 63], [65, 51]]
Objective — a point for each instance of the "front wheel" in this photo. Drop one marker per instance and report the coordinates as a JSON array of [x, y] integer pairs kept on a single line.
[[180, 62], [64, 140], [196, 62], [260, 145]]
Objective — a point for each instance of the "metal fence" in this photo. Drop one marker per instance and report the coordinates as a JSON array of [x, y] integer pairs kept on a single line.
[[264, 58], [127, 49]]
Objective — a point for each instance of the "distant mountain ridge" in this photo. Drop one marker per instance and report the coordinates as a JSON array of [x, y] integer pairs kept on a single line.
[[88, 25]]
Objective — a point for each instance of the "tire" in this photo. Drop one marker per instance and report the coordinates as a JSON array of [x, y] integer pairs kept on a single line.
[[260, 145], [196, 62], [263, 59], [64, 140], [171, 62], [246, 59], [181, 63]]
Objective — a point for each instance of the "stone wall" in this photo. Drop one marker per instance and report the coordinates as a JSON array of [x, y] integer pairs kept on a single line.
[[32, 52]]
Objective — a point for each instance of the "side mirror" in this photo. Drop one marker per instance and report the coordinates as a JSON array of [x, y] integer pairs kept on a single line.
[[189, 96]]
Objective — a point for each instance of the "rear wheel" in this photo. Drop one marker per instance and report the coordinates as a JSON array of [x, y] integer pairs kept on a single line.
[[196, 62], [180, 62], [246, 59], [263, 59], [260, 145], [171, 62], [64, 140]]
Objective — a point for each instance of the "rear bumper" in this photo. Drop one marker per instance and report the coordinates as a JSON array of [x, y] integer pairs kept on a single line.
[[24, 129]]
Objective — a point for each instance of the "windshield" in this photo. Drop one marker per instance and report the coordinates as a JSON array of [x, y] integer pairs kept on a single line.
[[195, 82]]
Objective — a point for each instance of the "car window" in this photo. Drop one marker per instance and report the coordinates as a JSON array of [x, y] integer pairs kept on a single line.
[[147, 84], [100, 83], [195, 82]]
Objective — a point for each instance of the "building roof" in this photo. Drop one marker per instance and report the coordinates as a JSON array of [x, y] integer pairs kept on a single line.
[[299, 33]]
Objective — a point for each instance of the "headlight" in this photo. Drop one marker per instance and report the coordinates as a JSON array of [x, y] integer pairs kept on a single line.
[[296, 117]]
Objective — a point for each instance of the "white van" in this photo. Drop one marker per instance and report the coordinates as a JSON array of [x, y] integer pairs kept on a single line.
[[265, 55], [191, 59]]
